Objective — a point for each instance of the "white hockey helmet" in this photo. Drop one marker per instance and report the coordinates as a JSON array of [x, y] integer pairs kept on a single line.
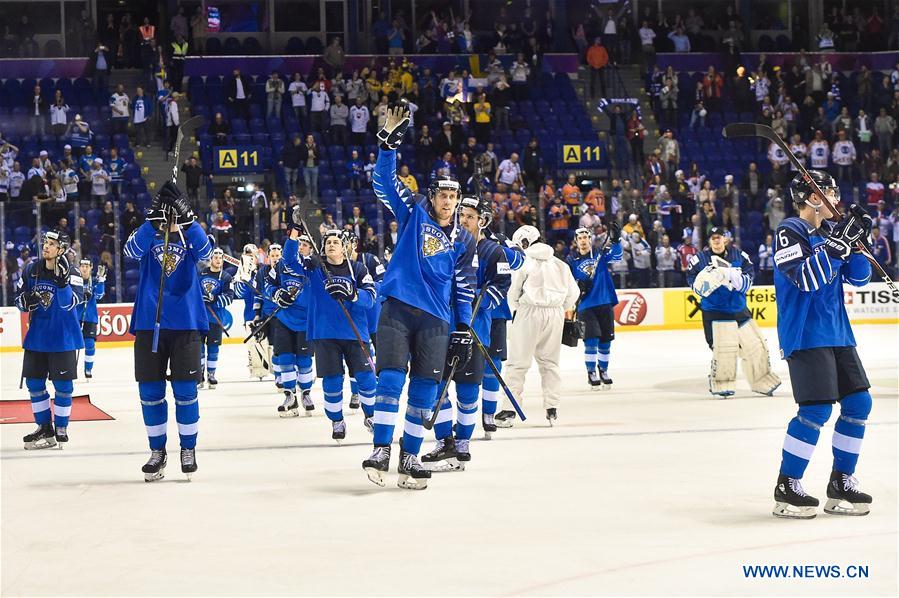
[[526, 236]]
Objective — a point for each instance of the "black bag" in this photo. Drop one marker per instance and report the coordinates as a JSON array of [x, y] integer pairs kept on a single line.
[[572, 332]]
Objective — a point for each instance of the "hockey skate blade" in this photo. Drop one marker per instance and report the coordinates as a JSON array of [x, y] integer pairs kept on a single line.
[[40, 444], [154, 477], [289, 413], [835, 506], [446, 465], [488, 435], [407, 482], [375, 476], [788, 511]]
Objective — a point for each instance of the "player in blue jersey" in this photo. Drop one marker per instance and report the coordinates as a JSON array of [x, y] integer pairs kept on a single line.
[[184, 321], [596, 308], [94, 289], [498, 348], [217, 295], [347, 282], [285, 286], [430, 282], [244, 286], [49, 290], [721, 275], [377, 269], [494, 278], [813, 258], [263, 306]]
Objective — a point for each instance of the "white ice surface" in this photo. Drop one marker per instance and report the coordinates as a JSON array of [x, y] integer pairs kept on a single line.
[[650, 488]]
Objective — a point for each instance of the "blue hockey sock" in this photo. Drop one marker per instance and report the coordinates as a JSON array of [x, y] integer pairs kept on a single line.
[[287, 361], [491, 388], [591, 350], [802, 436], [849, 430], [467, 410], [333, 389], [90, 349], [187, 411], [40, 400], [155, 411], [354, 386], [387, 405], [276, 369], [422, 396], [443, 425], [604, 351], [62, 402], [304, 371], [212, 359], [367, 384]]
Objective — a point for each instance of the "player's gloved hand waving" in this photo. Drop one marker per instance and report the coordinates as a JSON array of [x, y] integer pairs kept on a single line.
[[844, 236], [614, 232], [341, 289], [398, 117], [865, 221], [172, 200], [61, 273], [284, 298], [101, 273], [460, 346]]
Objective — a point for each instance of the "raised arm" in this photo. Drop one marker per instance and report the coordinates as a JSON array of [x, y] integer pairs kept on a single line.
[[810, 270]]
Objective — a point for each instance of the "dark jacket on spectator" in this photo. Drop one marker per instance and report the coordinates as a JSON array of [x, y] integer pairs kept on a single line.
[[304, 154], [231, 87], [290, 155]]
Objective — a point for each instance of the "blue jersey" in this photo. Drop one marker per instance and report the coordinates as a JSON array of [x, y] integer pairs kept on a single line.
[[87, 310], [116, 169], [287, 277], [808, 286], [493, 272], [247, 292], [585, 267], [182, 298], [217, 291], [263, 305], [327, 319], [432, 267], [515, 258], [54, 326], [377, 269], [723, 299]]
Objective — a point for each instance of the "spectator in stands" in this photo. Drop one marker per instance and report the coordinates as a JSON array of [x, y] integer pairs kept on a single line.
[[99, 179], [728, 197], [666, 259], [589, 219], [499, 102], [687, 250], [699, 113], [131, 219], [319, 105], [198, 30], [334, 55], [37, 111], [766, 261], [874, 190], [680, 40], [100, 66], [559, 216], [509, 172], [533, 170], [309, 158], [274, 94], [358, 222], [355, 170], [115, 167], [482, 118], [298, 91], [369, 167], [597, 60], [406, 178], [636, 132], [179, 48], [712, 86], [880, 249], [106, 227], [178, 24], [237, 91], [447, 140], [193, 173], [670, 152], [395, 38], [641, 255], [844, 157], [647, 41], [58, 115], [774, 209], [219, 130], [359, 118], [825, 38], [339, 113], [655, 166], [884, 128], [141, 110], [290, 162], [119, 104], [172, 122]]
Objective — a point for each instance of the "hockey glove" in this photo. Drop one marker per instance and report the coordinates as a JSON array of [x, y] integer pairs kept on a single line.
[[585, 285], [61, 273], [101, 273], [398, 117], [29, 301], [312, 262], [88, 294], [614, 232], [296, 217], [733, 278], [284, 298], [865, 221], [341, 289], [209, 298], [843, 237], [460, 346], [173, 201]]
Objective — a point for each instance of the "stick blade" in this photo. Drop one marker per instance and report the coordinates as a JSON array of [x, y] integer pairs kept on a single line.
[[734, 130]]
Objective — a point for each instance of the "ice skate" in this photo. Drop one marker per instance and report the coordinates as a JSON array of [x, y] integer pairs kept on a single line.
[[377, 465], [355, 401], [551, 415], [211, 382], [88, 374], [412, 475], [605, 380], [154, 469], [504, 419], [594, 380], [290, 407], [188, 462], [443, 457], [463, 454], [202, 383], [369, 425], [843, 497], [791, 501], [43, 437], [488, 424], [308, 405], [338, 431], [62, 436]]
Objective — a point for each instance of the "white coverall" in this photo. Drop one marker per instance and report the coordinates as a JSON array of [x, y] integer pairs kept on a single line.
[[542, 290]]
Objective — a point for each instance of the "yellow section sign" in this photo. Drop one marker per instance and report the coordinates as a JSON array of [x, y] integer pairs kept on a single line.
[[571, 154], [227, 158]]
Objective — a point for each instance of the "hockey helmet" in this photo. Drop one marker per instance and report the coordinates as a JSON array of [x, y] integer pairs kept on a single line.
[[483, 207], [250, 249], [61, 237], [801, 189], [526, 236], [584, 231], [444, 182]]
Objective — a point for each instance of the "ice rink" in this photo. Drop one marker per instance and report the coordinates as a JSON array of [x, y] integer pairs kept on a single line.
[[650, 488]]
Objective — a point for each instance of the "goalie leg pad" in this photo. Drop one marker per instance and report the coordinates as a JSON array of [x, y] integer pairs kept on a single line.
[[756, 359], [260, 362], [725, 348]]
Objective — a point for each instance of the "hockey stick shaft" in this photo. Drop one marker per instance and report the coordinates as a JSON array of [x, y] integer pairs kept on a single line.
[[498, 375], [159, 296], [216, 318]]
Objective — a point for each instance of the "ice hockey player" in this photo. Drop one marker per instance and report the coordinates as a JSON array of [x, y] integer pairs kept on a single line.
[[244, 284], [813, 257], [430, 281], [94, 289], [263, 307], [498, 348], [49, 290], [218, 295], [493, 278], [336, 283], [286, 287], [374, 266], [542, 295], [184, 321], [721, 275], [596, 307]]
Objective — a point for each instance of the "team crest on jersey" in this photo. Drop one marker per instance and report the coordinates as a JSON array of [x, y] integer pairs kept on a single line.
[[588, 267], [45, 293], [209, 287], [433, 241], [169, 261]]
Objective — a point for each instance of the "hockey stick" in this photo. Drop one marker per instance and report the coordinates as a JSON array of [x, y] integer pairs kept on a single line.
[[764, 131], [216, 318], [293, 292], [499, 377], [429, 423], [297, 215]]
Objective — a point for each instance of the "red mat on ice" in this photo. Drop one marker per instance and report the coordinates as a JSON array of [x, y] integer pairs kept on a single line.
[[19, 412]]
